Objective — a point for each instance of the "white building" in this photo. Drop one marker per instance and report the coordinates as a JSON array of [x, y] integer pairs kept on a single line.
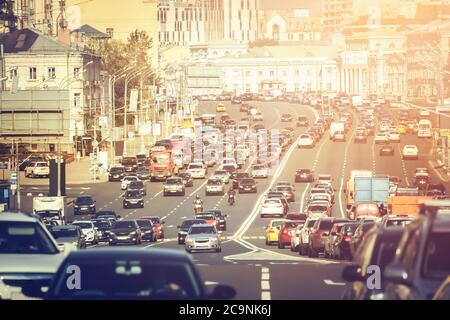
[[46, 73]]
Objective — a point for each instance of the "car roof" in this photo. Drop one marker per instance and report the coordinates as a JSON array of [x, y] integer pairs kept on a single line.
[[154, 254], [17, 217]]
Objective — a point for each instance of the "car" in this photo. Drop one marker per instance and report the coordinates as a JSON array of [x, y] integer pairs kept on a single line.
[[443, 293], [221, 108], [304, 175], [116, 173], [378, 249], [37, 169], [339, 136], [421, 261], [106, 215], [305, 141], [247, 185], [197, 170], [125, 231], [133, 199], [318, 234], [288, 192], [326, 179], [143, 173], [286, 117], [158, 225], [272, 207], [320, 197], [244, 107], [272, 230], [382, 138], [279, 195], [221, 218], [84, 205], [129, 163], [358, 236], [259, 171], [187, 179], [130, 274], [258, 116], [424, 113], [28, 253], [174, 186], [302, 121], [340, 247], [236, 100], [88, 229], [360, 136], [147, 230], [386, 150], [394, 136], [318, 208], [331, 239], [298, 217], [137, 186], [127, 180], [285, 234], [214, 186], [295, 236], [238, 177], [201, 237], [71, 235], [222, 174], [141, 160], [103, 226], [410, 152]]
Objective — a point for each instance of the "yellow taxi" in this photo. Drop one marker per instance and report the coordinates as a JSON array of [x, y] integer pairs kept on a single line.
[[221, 108], [401, 128], [273, 229]]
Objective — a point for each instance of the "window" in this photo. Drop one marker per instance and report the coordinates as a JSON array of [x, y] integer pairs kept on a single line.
[[76, 73], [77, 99], [33, 73], [51, 73], [12, 73]]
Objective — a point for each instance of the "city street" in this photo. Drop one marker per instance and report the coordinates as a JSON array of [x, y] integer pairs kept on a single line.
[[255, 270]]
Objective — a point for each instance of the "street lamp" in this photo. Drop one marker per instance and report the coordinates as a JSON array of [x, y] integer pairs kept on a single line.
[[65, 80]]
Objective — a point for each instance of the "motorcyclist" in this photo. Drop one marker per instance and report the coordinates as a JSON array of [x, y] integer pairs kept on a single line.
[[198, 200], [231, 194]]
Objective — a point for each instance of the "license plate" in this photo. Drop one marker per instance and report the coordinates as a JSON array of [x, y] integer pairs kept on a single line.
[[173, 191], [122, 238]]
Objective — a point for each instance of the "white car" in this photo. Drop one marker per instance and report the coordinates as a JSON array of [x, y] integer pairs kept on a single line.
[[127, 180], [425, 113], [394, 136], [295, 237], [304, 234], [322, 197], [382, 138], [410, 152], [229, 161], [88, 229], [325, 178], [272, 207], [260, 171], [37, 169], [222, 174], [258, 117], [28, 253], [305, 141], [215, 186], [197, 170], [339, 136]]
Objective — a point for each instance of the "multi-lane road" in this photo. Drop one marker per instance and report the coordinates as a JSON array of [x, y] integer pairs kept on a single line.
[[255, 270]]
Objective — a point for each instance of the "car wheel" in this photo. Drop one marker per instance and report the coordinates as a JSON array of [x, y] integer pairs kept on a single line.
[[280, 245], [219, 250], [183, 193]]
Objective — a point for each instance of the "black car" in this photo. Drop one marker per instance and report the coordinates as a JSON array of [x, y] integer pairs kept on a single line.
[[386, 151], [187, 179], [69, 235], [137, 186], [103, 227], [302, 121], [129, 274], [125, 231], [84, 205], [247, 185], [341, 244], [133, 199], [378, 249], [286, 117], [147, 230], [238, 177], [304, 175], [130, 164], [106, 215], [220, 218], [116, 173], [183, 229], [422, 259], [143, 173]]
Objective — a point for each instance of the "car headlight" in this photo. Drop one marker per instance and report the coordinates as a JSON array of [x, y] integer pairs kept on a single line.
[[133, 233], [189, 240], [112, 234], [92, 205], [182, 232], [75, 206]]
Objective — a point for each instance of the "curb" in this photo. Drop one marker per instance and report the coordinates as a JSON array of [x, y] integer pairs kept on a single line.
[[437, 167]]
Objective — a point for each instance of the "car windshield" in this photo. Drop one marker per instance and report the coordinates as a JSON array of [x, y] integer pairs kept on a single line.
[[259, 167], [214, 182], [195, 166], [84, 200], [173, 181], [116, 170], [124, 225], [272, 202], [367, 226], [161, 159], [129, 161], [48, 214], [202, 230], [119, 278], [284, 188], [41, 164], [248, 181], [24, 238], [144, 223], [188, 223], [220, 173], [101, 224], [133, 194], [317, 208], [64, 233], [136, 185], [436, 263], [83, 225]]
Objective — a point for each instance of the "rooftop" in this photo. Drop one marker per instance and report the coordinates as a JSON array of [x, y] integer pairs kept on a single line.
[[29, 40]]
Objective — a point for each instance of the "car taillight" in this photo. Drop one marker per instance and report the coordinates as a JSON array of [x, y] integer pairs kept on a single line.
[[346, 238], [285, 231]]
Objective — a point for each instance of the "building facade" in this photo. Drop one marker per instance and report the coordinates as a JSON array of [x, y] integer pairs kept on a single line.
[[336, 14]]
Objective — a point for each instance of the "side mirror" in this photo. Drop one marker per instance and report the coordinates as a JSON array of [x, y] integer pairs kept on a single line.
[[396, 273], [223, 293]]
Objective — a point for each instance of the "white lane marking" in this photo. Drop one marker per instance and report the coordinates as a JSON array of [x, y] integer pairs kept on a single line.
[[341, 187], [208, 283], [265, 284], [265, 295], [332, 283]]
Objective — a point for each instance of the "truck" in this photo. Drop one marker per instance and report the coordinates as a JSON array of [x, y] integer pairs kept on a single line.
[[405, 205], [424, 129], [50, 208], [350, 187], [375, 189], [335, 127], [161, 164]]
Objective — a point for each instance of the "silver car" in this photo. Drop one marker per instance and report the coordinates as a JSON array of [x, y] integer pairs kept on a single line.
[[203, 237]]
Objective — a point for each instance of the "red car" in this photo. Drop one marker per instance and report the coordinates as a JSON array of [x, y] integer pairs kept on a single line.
[[284, 236], [158, 227], [244, 107], [209, 218]]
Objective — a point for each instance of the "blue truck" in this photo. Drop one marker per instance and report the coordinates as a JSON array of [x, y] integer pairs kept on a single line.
[[374, 189]]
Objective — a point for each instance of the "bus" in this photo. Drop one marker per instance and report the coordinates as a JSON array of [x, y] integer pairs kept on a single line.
[[424, 130]]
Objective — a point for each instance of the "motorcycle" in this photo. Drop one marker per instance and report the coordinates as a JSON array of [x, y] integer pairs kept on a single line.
[[198, 207], [231, 200]]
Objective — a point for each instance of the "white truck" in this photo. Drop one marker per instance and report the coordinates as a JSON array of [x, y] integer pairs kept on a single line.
[[335, 127], [50, 208]]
